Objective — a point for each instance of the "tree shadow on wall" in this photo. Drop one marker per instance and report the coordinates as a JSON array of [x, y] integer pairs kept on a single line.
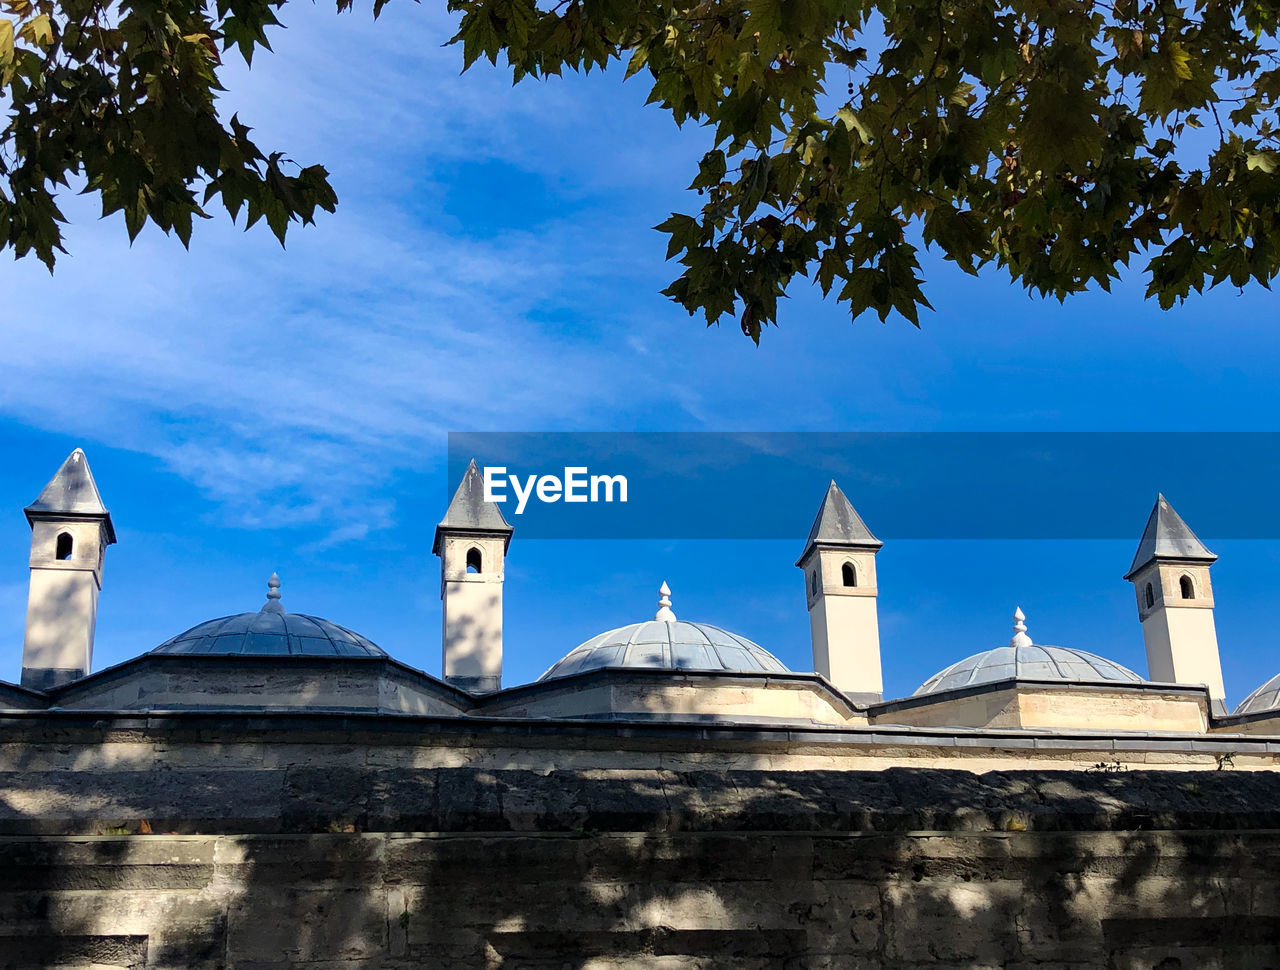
[[345, 855]]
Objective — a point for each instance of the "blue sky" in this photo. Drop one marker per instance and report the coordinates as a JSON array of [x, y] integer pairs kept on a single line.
[[492, 267]]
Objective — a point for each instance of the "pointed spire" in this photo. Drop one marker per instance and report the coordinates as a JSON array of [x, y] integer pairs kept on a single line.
[[1020, 638], [469, 513], [838, 524], [664, 604], [272, 605], [1168, 537], [73, 493]]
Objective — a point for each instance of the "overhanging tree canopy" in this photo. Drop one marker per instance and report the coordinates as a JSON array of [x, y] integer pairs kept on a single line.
[[1057, 139]]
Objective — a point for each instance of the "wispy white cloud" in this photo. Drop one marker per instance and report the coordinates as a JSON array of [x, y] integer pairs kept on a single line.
[[289, 385], [286, 384], [310, 373]]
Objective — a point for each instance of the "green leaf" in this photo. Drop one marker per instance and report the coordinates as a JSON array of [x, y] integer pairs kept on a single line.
[[1263, 162], [38, 31], [755, 183], [853, 123], [639, 57], [683, 231]]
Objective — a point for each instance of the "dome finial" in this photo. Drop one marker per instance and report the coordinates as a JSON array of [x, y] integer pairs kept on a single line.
[[1020, 638], [664, 604], [272, 605]]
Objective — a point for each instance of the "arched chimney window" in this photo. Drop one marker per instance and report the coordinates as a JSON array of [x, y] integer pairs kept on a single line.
[[473, 560], [64, 545], [849, 574], [1188, 588], [1151, 596]]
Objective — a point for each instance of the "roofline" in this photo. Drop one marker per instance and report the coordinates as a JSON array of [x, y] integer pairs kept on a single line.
[[197, 659], [813, 547], [33, 693], [476, 532], [476, 703], [615, 731], [991, 686], [465, 698], [33, 514], [1173, 560], [601, 673], [1248, 717]]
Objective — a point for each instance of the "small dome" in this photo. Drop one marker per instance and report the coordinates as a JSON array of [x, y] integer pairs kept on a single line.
[[1032, 662], [1024, 660], [271, 632], [666, 643], [1265, 698]]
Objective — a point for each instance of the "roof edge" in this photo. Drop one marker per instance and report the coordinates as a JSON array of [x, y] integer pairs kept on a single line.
[[991, 686], [798, 679], [187, 660]]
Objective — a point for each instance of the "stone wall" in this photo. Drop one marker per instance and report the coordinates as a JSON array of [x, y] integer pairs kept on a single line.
[[594, 899], [247, 847], [176, 682], [636, 694], [1040, 705]]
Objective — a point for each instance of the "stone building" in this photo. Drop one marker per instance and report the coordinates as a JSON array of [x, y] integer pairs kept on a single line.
[[272, 789]]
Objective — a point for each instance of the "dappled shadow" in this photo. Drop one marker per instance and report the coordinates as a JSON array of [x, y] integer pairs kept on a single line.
[[354, 846], [61, 611]]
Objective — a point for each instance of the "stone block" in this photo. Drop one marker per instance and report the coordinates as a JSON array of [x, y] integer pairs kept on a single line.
[[945, 923], [300, 861], [81, 950], [295, 926], [72, 802], [104, 863]]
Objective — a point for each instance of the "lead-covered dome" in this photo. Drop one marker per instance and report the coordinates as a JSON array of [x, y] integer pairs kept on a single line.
[[271, 632], [1265, 698], [1024, 660], [665, 643]]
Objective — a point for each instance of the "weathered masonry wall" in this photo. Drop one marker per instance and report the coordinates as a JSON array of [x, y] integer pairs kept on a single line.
[[49, 747], [1014, 900], [376, 845]]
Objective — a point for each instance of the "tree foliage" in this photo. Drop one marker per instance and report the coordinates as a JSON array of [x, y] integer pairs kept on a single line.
[[1057, 139], [122, 97]]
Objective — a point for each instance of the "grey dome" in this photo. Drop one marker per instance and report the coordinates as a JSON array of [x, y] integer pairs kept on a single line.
[[1031, 662], [274, 634], [271, 632], [668, 645], [1265, 698]]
